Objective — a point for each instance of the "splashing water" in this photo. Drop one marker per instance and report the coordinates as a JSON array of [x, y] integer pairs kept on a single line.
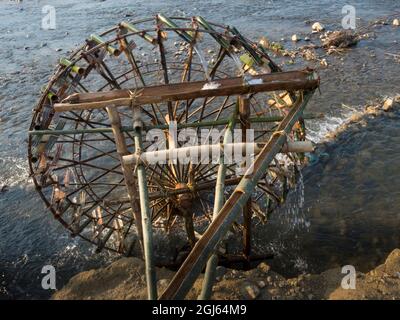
[[203, 62], [15, 171]]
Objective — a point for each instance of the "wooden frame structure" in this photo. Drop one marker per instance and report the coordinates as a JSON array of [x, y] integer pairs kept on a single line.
[[147, 198]]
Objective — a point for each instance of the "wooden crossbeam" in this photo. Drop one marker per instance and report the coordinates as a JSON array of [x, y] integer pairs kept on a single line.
[[291, 80]]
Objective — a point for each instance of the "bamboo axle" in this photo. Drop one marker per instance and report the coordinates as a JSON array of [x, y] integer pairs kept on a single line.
[[206, 152]]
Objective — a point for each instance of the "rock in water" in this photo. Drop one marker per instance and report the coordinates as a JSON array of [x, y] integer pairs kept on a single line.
[[263, 267], [356, 117], [295, 38], [264, 42], [318, 27], [323, 62], [388, 104], [396, 22], [251, 291]]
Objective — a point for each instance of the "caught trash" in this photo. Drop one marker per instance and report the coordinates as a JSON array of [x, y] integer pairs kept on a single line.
[[340, 39]]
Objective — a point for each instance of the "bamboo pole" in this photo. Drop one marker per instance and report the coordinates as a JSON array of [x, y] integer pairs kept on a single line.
[[223, 42], [244, 113], [183, 34], [127, 169], [228, 149], [307, 116], [151, 279], [194, 263], [99, 40], [143, 34], [74, 68], [212, 263]]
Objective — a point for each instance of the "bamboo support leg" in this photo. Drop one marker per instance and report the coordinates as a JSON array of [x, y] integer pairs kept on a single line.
[[212, 263], [127, 169], [146, 219], [244, 114]]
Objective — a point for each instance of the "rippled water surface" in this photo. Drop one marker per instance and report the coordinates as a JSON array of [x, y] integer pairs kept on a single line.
[[348, 212]]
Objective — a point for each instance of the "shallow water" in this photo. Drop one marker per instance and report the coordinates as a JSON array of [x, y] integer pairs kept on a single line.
[[350, 213]]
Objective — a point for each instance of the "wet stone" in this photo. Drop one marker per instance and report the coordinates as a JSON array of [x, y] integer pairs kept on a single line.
[[388, 104], [251, 291], [163, 282], [263, 267]]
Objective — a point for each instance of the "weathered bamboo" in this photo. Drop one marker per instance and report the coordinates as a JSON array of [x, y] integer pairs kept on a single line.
[[244, 113], [127, 169], [246, 46], [166, 126], [212, 263], [45, 142], [292, 80], [223, 42], [99, 40], [205, 152], [193, 265], [51, 95], [144, 35], [183, 34], [151, 278], [74, 68]]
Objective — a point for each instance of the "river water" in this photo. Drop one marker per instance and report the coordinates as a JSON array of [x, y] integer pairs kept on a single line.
[[347, 210]]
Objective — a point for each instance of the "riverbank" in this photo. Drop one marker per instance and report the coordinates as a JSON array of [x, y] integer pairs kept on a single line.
[[124, 280]]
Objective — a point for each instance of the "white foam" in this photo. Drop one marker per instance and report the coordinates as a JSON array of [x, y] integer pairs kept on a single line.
[[14, 171], [317, 130]]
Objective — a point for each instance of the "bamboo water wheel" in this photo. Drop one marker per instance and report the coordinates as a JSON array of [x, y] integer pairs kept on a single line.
[[116, 98]]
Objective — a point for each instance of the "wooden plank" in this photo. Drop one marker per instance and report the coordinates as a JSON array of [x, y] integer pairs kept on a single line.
[[291, 80]]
